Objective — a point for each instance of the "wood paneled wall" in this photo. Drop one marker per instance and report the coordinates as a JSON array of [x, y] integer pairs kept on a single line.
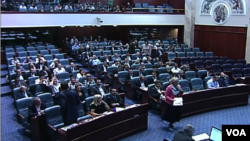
[[179, 4], [223, 41]]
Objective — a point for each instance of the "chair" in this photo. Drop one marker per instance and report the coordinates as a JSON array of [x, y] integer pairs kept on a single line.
[[231, 61], [160, 8], [190, 75], [184, 61], [181, 54], [88, 101], [9, 50], [117, 51], [184, 45], [209, 54], [82, 116], [197, 84], [85, 91], [171, 56], [20, 49], [54, 121], [199, 64], [22, 54], [148, 65], [221, 62], [138, 5], [151, 8], [178, 49], [196, 49], [49, 62], [110, 69], [239, 65], [44, 52], [122, 75], [145, 5], [216, 68], [33, 53], [193, 59], [82, 79], [224, 58], [63, 76], [10, 55], [68, 10], [134, 66], [209, 63], [51, 47], [248, 65], [125, 51], [162, 70], [247, 72], [32, 80], [54, 51], [190, 54], [47, 99], [59, 56], [25, 66], [187, 49], [202, 73], [165, 85], [74, 73], [164, 77], [199, 54], [214, 58], [185, 85], [22, 106], [227, 67], [108, 52], [148, 71], [236, 72], [205, 81], [40, 48], [30, 48], [204, 58], [48, 57], [64, 62], [243, 61], [97, 53]]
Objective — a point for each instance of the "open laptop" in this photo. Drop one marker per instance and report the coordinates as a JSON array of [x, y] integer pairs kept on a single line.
[[215, 135]]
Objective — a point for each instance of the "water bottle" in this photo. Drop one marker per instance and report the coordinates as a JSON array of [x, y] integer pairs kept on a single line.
[[114, 109]]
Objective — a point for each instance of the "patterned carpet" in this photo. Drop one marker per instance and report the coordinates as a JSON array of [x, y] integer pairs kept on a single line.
[[157, 129]]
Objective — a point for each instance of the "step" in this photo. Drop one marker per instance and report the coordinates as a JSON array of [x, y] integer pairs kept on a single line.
[[5, 90], [4, 67], [4, 73], [3, 82]]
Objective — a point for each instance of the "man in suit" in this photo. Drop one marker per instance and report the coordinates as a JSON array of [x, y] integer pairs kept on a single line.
[[40, 64], [42, 80], [141, 71], [138, 56], [98, 89], [132, 47], [153, 79], [116, 58], [138, 86], [114, 99], [113, 47], [23, 93], [69, 101], [32, 73], [157, 94], [37, 108], [185, 135], [18, 67], [131, 74], [103, 69], [17, 83], [224, 80], [106, 58], [159, 52], [71, 68]]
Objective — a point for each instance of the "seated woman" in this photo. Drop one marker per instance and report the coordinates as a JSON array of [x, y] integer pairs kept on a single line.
[[80, 74], [80, 93], [98, 106]]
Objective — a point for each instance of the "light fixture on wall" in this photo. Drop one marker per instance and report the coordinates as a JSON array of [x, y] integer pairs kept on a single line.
[[99, 22], [115, 25], [62, 26], [81, 25]]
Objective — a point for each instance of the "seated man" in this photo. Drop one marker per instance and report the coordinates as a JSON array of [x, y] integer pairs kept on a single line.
[[54, 86], [213, 83], [129, 7], [42, 80], [143, 65], [23, 93], [73, 83], [17, 83], [116, 64], [116, 58], [138, 56], [224, 80], [131, 74], [103, 69], [153, 79], [94, 61], [31, 73], [88, 80], [157, 94], [18, 67], [28, 60], [40, 64], [37, 108], [141, 71], [71, 68], [98, 89], [106, 58], [185, 135], [59, 69], [114, 99], [22, 75], [39, 57], [138, 85], [15, 60], [126, 61]]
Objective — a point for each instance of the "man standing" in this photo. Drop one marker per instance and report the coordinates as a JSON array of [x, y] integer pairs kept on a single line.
[[69, 101]]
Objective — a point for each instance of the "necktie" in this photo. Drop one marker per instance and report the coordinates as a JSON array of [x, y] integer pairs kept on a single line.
[[72, 69], [115, 98], [18, 84]]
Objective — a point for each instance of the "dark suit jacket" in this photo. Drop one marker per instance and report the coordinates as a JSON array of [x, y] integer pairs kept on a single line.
[[104, 59], [182, 136], [85, 56], [29, 75], [94, 90], [222, 82], [143, 73], [69, 101], [131, 49], [151, 80], [20, 95], [38, 66], [154, 93], [158, 54], [138, 84], [135, 57], [69, 70], [32, 109], [14, 85], [135, 74], [101, 71], [111, 100]]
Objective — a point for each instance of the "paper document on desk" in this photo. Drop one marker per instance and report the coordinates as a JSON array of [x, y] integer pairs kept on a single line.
[[200, 137], [69, 126], [178, 101]]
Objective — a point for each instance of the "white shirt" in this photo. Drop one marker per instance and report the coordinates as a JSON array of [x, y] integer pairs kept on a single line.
[[154, 78], [21, 77], [115, 65], [56, 71], [33, 7], [129, 58], [104, 69], [72, 87], [22, 7], [38, 81], [178, 70], [38, 109], [142, 84], [107, 59], [101, 90], [37, 59], [78, 76], [26, 94], [55, 88]]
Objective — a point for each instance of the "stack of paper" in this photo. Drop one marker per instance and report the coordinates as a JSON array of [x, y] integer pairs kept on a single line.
[[69, 126], [200, 137], [178, 101]]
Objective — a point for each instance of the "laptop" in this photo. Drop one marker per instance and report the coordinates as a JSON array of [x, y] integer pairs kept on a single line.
[[215, 135]]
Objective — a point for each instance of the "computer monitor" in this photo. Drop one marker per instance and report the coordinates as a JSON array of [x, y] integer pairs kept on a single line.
[[215, 134]]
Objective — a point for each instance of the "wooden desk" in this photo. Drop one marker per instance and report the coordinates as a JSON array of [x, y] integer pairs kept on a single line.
[[37, 128], [144, 93], [214, 99], [109, 127], [129, 90], [116, 82]]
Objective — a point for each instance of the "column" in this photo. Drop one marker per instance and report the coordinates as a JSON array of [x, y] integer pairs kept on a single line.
[[190, 9], [247, 57]]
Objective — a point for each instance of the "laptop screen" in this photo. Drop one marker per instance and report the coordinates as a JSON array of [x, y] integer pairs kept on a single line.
[[216, 134]]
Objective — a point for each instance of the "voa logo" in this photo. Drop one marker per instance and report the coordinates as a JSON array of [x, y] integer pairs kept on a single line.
[[236, 132]]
